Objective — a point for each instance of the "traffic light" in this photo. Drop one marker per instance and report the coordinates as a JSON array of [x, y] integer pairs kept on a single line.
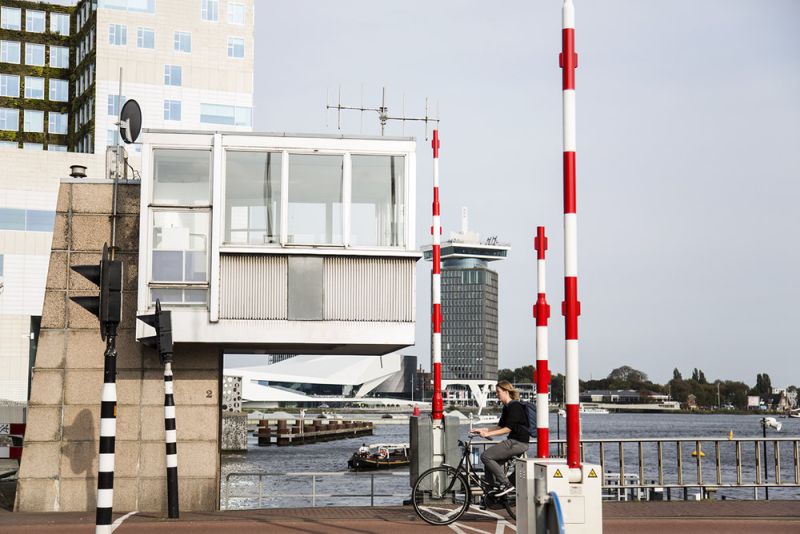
[[107, 306], [161, 320]]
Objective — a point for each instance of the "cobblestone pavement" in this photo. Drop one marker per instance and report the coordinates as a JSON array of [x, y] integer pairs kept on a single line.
[[619, 518]]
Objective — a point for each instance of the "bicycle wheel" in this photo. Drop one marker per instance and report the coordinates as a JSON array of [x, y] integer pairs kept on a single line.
[[511, 498], [441, 496]]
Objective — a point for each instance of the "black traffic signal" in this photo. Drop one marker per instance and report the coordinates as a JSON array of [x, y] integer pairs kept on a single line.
[[161, 321], [107, 306]]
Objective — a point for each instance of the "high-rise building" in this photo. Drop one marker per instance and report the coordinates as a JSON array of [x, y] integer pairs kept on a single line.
[[189, 64], [469, 305]]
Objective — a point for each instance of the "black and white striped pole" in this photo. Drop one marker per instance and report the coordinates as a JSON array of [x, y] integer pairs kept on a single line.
[[161, 321], [107, 306]]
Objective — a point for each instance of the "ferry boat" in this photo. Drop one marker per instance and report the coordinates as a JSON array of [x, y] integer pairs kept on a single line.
[[380, 456]]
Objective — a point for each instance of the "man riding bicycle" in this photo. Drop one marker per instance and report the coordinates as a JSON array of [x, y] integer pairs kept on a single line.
[[514, 422]]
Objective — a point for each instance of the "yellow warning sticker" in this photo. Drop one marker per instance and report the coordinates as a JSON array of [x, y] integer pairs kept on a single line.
[[557, 474], [592, 474]]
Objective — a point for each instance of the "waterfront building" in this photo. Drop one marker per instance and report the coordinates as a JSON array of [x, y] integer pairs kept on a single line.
[[189, 64], [469, 304]]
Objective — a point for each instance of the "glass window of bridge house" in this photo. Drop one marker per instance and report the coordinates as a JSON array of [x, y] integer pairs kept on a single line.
[[315, 199], [252, 197], [378, 201], [179, 269], [182, 177]]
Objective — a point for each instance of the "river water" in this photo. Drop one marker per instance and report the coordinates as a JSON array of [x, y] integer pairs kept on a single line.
[[280, 490]]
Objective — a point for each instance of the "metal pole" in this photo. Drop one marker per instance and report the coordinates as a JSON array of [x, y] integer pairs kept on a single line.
[[171, 437], [541, 373], [436, 288], [108, 433], [114, 215], [764, 434], [571, 307]]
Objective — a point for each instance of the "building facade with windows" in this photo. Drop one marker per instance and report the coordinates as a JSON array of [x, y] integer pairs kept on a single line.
[[469, 305], [189, 64], [35, 48]]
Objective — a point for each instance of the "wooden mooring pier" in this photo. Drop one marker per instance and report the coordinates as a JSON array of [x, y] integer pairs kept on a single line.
[[281, 433]]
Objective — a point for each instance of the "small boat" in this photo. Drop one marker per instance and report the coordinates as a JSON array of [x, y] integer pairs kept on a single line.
[[380, 456], [592, 409], [794, 413]]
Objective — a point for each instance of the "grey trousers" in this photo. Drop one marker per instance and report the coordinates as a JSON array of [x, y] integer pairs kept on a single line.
[[496, 454]]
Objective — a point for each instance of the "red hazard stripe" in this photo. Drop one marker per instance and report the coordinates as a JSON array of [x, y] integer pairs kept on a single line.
[[437, 406], [437, 318], [573, 436], [542, 443], [571, 308], [540, 243], [568, 58], [435, 144], [569, 183], [541, 310], [14, 429], [436, 201], [542, 377]]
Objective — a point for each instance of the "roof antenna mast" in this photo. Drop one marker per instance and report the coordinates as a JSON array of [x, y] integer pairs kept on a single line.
[[383, 113]]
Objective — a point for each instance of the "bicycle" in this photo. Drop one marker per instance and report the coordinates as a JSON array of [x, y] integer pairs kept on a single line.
[[442, 494]]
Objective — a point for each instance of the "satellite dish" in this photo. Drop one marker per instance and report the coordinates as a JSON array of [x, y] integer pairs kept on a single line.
[[130, 121]]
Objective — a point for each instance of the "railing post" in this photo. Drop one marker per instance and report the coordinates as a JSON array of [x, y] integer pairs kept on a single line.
[[313, 491], [260, 490], [777, 455], [603, 460], [372, 489], [718, 462], [796, 462], [679, 450], [622, 465], [739, 463], [641, 465], [758, 462], [660, 463], [699, 450]]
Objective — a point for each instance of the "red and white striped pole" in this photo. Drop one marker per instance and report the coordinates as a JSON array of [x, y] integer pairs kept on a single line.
[[571, 307], [437, 406], [541, 373]]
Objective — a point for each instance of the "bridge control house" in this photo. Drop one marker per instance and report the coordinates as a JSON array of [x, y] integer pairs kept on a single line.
[[280, 242]]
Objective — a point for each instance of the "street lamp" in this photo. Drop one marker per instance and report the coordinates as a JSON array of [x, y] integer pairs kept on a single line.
[[770, 422]]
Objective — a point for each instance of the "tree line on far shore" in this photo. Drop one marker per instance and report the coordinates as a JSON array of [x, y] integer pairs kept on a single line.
[[707, 394]]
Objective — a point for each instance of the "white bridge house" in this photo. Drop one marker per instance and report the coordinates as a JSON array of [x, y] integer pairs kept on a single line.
[[280, 242]]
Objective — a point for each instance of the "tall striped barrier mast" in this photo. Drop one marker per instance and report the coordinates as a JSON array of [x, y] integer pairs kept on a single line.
[[571, 307], [436, 289], [541, 373]]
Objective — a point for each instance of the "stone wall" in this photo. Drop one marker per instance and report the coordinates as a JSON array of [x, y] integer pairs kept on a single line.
[[59, 462]]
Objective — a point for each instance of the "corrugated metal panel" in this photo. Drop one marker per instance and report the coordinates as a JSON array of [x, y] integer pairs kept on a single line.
[[368, 289], [252, 287]]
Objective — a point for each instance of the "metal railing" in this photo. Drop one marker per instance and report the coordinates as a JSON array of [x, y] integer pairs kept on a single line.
[[312, 478], [712, 462]]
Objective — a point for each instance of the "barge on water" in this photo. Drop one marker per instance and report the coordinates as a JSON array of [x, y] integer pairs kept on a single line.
[[380, 456]]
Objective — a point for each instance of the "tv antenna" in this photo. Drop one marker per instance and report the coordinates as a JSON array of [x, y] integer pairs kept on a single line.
[[382, 111]]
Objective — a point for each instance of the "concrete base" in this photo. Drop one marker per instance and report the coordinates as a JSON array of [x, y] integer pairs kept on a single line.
[[234, 432], [59, 461]]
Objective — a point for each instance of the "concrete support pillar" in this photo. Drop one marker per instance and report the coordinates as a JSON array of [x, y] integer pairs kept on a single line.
[[59, 463]]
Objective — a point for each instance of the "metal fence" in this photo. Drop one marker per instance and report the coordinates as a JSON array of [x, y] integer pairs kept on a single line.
[[707, 464], [633, 469], [306, 487]]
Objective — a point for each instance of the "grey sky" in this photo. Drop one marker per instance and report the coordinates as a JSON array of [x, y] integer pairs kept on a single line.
[[688, 159]]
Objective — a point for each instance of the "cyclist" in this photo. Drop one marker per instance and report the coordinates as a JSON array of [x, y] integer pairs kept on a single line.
[[514, 422]]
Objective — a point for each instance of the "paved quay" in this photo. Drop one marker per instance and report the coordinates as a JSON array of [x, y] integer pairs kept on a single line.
[[731, 517]]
